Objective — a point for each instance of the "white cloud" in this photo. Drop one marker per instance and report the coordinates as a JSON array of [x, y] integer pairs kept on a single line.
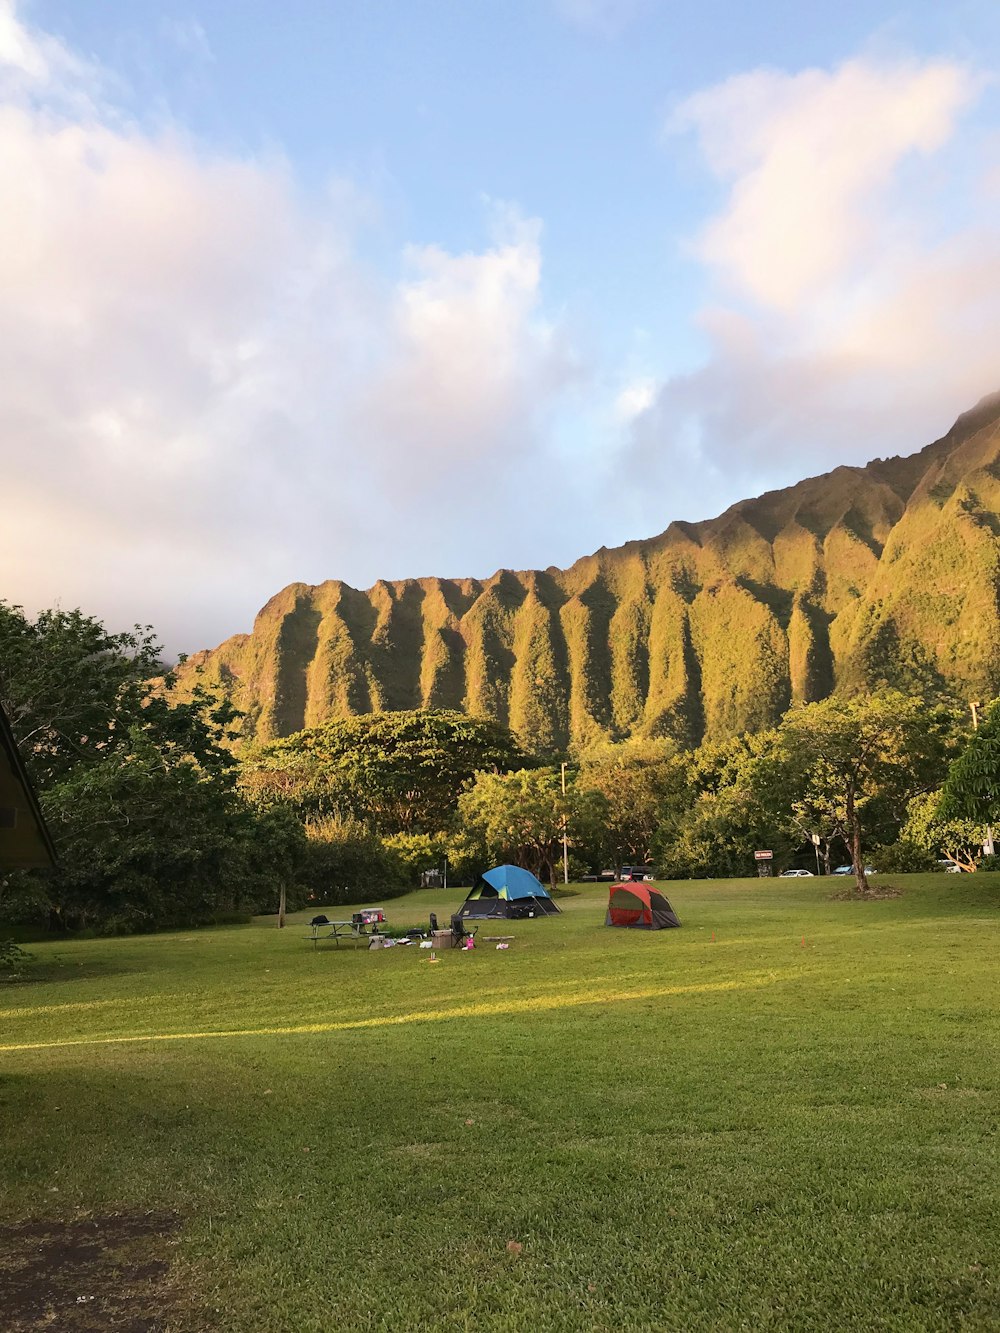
[[206, 392], [854, 276], [189, 37], [470, 361], [606, 18], [35, 65], [635, 398], [810, 159]]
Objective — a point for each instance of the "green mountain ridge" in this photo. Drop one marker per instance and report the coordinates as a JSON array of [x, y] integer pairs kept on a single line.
[[887, 573]]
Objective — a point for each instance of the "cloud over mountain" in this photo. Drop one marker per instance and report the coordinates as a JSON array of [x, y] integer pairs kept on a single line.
[[853, 270], [205, 381], [220, 379]]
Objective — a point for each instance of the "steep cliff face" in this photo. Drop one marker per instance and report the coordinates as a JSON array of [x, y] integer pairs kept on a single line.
[[884, 573]]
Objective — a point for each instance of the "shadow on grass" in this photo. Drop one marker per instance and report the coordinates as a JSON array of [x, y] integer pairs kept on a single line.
[[56, 970]]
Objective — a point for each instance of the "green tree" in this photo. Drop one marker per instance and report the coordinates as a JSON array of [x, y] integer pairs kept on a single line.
[[74, 692], [971, 789], [718, 834], [638, 781], [936, 835], [280, 849], [418, 852], [346, 862], [521, 817], [146, 841], [843, 759], [397, 772], [138, 788]]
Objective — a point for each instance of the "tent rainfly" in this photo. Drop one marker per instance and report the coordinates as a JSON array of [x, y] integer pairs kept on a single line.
[[25, 841], [640, 906], [508, 891]]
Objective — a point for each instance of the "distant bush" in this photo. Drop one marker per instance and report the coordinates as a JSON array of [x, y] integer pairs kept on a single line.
[[417, 852], [23, 901], [990, 862], [12, 958], [345, 863], [902, 857]]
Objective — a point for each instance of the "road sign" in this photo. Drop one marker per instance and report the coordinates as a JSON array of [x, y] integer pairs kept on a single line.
[[763, 856]]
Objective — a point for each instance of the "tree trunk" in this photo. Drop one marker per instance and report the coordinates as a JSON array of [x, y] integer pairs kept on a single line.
[[281, 906], [858, 861]]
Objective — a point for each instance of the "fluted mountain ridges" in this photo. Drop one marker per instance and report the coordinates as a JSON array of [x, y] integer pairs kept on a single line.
[[887, 573]]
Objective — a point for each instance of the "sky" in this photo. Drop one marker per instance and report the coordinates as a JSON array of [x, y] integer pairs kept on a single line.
[[368, 289]]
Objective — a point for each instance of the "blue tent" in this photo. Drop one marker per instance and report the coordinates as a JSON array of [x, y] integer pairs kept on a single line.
[[508, 891]]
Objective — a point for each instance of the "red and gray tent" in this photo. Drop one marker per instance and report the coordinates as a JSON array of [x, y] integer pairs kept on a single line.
[[640, 906]]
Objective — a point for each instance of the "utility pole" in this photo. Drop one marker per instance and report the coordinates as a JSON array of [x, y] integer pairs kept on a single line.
[[565, 850], [988, 844]]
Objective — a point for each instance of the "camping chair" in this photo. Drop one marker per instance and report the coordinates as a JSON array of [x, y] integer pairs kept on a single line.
[[460, 930]]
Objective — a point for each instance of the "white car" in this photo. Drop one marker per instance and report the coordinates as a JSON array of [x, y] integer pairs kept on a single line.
[[796, 874]]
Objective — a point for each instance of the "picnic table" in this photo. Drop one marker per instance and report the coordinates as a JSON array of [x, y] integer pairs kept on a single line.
[[336, 930], [354, 929]]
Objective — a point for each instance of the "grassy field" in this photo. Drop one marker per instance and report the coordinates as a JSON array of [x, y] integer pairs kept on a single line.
[[782, 1116]]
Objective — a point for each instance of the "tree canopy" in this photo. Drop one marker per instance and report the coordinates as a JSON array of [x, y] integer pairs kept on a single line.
[[139, 790], [972, 787], [397, 772], [840, 759], [521, 817]]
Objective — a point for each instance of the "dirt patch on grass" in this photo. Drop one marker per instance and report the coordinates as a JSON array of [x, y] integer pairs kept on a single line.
[[90, 1275], [948, 1090], [873, 895]]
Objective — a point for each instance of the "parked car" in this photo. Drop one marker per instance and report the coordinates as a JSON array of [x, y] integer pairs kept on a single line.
[[849, 870], [796, 874], [949, 867]]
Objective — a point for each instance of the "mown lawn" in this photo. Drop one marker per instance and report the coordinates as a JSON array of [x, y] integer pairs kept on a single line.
[[782, 1116]]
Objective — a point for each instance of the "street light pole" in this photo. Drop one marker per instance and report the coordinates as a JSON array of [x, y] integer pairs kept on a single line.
[[562, 768], [988, 844]]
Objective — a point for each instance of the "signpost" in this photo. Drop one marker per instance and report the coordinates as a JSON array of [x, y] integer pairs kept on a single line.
[[763, 860], [815, 839]]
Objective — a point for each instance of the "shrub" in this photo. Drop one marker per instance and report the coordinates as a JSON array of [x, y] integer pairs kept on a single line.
[[12, 958], [345, 863], [902, 857]]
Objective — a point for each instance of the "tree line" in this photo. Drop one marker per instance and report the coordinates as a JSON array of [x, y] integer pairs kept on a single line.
[[161, 818]]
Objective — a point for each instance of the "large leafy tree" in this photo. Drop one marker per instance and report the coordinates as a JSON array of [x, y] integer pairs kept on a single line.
[[521, 817], [75, 693], [139, 790], [726, 813], [397, 772], [69, 687], [849, 761], [934, 834], [639, 780], [972, 788]]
